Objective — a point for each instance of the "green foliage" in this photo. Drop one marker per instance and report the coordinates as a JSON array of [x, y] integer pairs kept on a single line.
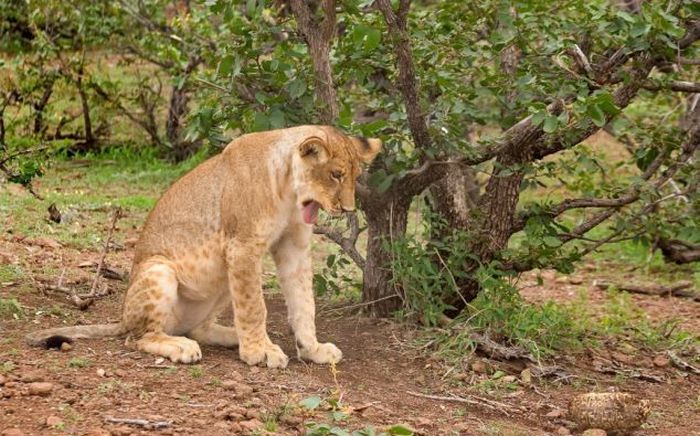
[[78, 362], [10, 307]]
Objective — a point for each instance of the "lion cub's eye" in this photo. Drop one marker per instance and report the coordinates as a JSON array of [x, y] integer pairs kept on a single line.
[[337, 175]]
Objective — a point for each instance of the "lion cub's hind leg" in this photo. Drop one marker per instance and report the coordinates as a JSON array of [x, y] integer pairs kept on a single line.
[[149, 312], [210, 333]]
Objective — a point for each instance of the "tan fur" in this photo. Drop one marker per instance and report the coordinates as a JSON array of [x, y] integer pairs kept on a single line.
[[202, 245]]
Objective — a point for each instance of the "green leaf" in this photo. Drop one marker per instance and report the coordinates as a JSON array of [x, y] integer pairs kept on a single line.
[[226, 65], [597, 115], [296, 88], [337, 431], [372, 39], [310, 403], [550, 124], [551, 241], [400, 430]]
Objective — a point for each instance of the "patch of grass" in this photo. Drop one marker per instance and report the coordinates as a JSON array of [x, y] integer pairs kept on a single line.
[[10, 273], [215, 382], [7, 367], [78, 362], [10, 307], [196, 371], [169, 370]]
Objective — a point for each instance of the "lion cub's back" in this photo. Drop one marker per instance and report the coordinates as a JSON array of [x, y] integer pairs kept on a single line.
[[187, 215]]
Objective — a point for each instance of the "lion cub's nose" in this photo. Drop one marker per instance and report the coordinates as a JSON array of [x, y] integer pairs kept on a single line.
[[348, 208]]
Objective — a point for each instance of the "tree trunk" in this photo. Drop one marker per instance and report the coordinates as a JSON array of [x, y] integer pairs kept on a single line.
[[89, 136], [386, 218], [177, 111], [40, 105], [325, 91]]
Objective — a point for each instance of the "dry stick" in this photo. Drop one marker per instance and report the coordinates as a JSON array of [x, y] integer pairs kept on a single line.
[[677, 290], [105, 248], [491, 404], [682, 364], [140, 422]]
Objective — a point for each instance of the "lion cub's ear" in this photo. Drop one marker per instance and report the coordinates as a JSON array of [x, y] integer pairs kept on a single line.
[[367, 149], [314, 148]]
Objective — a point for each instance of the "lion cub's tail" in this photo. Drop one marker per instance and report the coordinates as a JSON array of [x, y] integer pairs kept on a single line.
[[53, 338]]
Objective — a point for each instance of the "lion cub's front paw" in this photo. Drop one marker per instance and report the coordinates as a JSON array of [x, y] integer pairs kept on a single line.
[[272, 354], [324, 353]]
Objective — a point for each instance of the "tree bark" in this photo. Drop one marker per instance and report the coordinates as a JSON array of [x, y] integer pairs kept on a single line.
[[89, 140], [319, 36], [386, 219]]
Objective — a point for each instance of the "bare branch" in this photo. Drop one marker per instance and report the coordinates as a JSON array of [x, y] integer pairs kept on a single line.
[[347, 244], [407, 82], [673, 85]]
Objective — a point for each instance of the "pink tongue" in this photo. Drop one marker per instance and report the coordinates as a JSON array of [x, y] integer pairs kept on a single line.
[[311, 213]]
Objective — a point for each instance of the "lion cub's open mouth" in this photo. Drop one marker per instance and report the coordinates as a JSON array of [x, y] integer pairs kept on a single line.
[[310, 211]]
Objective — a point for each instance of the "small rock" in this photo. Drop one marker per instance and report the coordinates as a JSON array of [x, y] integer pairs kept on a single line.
[[40, 388], [563, 431], [292, 420], [508, 379], [53, 421], [575, 280], [12, 432], [556, 413], [229, 385], [622, 358], [120, 373], [479, 367], [31, 377], [424, 422], [526, 376], [101, 372], [661, 361], [594, 432], [159, 360], [251, 424], [65, 346], [122, 430]]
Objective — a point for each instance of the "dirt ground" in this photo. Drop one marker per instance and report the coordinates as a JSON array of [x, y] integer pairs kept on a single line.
[[385, 378], [102, 379]]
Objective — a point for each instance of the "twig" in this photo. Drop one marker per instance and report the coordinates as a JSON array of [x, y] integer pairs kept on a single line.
[[680, 363], [105, 248], [139, 422], [676, 290], [364, 303], [491, 404]]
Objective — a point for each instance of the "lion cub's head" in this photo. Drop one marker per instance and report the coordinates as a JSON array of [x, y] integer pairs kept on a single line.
[[326, 171]]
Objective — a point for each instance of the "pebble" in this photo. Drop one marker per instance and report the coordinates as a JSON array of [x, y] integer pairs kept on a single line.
[[575, 281], [101, 372], [526, 376], [40, 388], [53, 421], [65, 346], [479, 367], [660, 361], [32, 376], [563, 431], [594, 432], [556, 413]]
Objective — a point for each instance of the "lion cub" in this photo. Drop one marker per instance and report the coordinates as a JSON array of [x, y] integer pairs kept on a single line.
[[202, 247]]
